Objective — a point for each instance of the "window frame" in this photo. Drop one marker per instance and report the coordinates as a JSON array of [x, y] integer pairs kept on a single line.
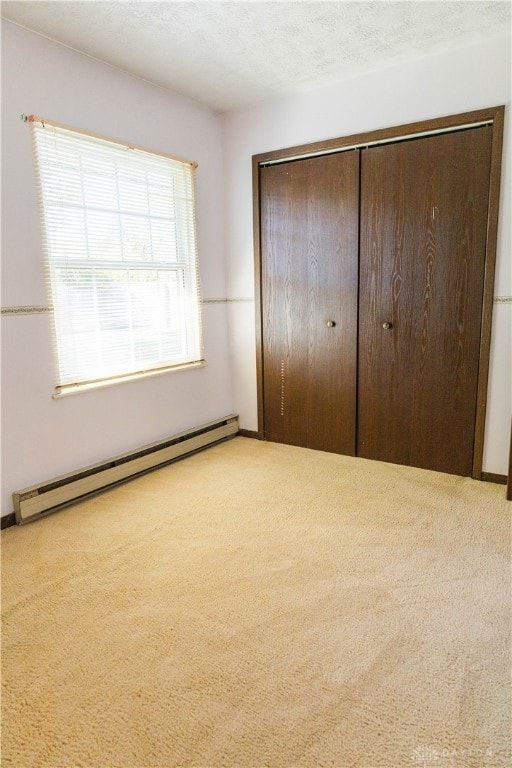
[[182, 259]]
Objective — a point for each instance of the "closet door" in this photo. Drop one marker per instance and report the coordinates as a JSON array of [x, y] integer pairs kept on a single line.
[[309, 265], [422, 255]]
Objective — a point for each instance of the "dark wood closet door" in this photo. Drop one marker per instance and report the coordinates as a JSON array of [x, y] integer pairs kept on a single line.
[[309, 247], [422, 254]]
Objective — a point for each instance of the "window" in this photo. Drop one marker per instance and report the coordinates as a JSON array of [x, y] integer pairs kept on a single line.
[[121, 257]]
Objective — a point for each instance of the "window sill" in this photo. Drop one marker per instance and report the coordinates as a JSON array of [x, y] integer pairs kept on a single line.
[[79, 388]]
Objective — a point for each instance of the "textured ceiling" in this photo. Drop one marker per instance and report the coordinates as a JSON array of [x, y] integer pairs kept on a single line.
[[228, 54]]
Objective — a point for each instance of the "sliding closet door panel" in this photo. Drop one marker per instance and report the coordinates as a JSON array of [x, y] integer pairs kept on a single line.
[[284, 305], [309, 245], [422, 254]]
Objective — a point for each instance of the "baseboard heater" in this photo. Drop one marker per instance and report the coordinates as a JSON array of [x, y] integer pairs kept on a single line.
[[50, 496]]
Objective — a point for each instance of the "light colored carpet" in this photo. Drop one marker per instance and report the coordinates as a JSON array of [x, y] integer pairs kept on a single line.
[[260, 605]]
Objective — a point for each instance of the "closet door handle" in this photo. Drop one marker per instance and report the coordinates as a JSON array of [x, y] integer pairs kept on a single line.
[[331, 323], [387, 326]]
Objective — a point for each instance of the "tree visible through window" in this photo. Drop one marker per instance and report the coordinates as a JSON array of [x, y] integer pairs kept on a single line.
[[120, 254]]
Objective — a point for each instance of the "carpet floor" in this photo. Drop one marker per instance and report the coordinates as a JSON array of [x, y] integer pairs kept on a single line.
[[262, 606]]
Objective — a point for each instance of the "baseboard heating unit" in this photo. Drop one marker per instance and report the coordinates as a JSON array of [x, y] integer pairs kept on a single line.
[[52, 495]]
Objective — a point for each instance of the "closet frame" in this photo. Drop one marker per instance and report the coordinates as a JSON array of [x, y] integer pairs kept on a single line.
[[494, 115]]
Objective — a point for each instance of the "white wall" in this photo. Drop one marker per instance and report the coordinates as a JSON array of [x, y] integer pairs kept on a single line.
[[461, 80], [42, 437]]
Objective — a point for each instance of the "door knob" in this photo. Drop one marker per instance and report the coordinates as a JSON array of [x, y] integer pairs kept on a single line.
[[331, 323], [387, 326]]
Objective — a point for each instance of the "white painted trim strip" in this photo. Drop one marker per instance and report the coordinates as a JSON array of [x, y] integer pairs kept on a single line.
[[227, 301], [33, 310], [29, 310]]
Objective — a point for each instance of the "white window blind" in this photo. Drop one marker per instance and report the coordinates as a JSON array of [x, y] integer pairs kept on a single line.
[[120, 255]]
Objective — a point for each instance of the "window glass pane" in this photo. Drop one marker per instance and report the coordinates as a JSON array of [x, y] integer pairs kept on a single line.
[[74, 300], [113, 300], [99, 183], [160, 196], [67, 236], [133, 191], [103, 235], [163, 238], [136, 238]]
